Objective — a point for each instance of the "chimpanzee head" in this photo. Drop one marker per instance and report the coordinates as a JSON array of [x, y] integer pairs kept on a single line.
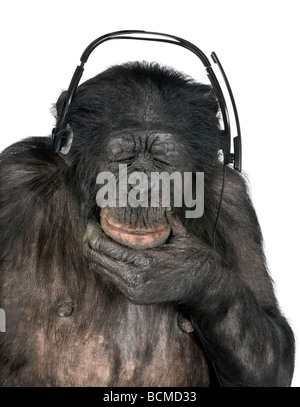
[[128, 123]]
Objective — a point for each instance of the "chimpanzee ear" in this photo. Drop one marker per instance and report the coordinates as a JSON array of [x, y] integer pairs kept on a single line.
[[60, 102], [212, 104]]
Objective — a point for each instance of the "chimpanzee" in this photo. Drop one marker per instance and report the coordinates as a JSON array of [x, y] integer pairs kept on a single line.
[[125, 295]]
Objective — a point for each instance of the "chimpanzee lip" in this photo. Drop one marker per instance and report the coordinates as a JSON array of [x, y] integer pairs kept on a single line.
[[132, 231], [141, 240]]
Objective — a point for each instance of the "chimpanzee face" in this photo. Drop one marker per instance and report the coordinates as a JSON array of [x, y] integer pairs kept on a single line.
[[141, 186], [142, 137]]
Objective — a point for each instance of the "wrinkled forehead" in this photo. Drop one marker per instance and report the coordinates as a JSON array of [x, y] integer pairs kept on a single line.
[[142, 140]]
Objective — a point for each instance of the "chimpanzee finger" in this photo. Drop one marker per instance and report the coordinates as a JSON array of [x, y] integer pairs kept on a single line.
[[114, 270], [122, 253], [125, 276], [177, 226], [100, 258], [103, 244]]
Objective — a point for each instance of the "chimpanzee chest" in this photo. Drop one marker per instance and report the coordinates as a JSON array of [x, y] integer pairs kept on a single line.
[[143, 346], [98, 339]]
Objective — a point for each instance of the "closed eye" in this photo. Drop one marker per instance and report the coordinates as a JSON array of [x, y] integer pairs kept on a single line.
[[124, 159], [161, 160]]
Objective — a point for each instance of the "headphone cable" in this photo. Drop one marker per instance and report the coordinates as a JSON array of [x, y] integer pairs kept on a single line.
[[220, 205]]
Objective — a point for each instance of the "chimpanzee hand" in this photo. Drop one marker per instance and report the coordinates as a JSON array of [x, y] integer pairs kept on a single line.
[[167, 273]]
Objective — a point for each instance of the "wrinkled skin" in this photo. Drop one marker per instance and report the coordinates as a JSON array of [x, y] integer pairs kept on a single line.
[[134, 296], [140, 235], [141, 227], [136, 273]]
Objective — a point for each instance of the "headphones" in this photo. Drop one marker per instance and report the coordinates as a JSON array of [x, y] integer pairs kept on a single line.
[[62, 134]]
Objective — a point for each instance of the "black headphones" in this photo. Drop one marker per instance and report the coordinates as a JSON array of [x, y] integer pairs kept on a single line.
[[62, 135]]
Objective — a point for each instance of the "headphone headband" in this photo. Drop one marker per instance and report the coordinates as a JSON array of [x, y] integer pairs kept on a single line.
[[236, 157]]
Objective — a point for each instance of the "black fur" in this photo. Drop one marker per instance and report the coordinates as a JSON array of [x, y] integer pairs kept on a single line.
[[117, 321]]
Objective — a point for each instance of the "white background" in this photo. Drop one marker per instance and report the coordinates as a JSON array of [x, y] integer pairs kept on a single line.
[[257, 42]]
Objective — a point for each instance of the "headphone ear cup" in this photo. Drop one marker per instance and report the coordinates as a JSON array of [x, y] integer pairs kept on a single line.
[[68, 140]]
